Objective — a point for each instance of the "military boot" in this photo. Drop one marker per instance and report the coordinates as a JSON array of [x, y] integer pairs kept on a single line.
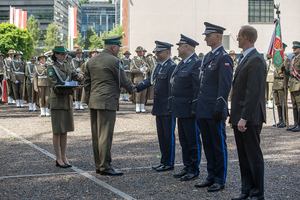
[[283, 124], [297, 128], [279, 109], [295, 112]]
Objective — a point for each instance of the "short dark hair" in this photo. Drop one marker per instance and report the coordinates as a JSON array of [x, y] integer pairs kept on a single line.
[[250, 33], [53, 57]]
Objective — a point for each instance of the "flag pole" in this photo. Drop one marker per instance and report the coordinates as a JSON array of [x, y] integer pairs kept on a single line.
[[284, 79]]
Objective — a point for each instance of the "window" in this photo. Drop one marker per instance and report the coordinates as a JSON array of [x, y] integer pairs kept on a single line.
[[261, 11], [226, 42]]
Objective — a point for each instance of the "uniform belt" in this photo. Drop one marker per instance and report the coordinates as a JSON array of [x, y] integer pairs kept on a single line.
[[19, 72], [278, 78], [1, 73], [8, 70], [42, 76]]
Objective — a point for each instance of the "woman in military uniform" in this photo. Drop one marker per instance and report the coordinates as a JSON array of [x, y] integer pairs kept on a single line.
[[41, 85], [17, 67], [61, 104], [27, 90]]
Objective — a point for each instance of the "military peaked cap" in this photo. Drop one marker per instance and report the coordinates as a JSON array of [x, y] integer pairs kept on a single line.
[[296, 44], [187, 40], [231, 52], [162, 46], [113, 40], [11, 51], [127, 53], [211, 28]]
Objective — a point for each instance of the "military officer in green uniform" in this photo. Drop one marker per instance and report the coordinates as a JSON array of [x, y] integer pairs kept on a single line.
[[140, 70], [103, 78], [27, 90], [7, 61], [150, 91], [295, 86], [76, 64], [17, 71], [278, 91], [235, 64], [59, 76], [126, 61]]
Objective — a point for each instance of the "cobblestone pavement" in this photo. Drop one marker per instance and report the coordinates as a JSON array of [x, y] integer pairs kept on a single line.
[[27, 167]]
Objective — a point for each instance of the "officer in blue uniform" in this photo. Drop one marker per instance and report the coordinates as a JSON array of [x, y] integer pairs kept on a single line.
[[212, 110], [160, 79], [185, 87]]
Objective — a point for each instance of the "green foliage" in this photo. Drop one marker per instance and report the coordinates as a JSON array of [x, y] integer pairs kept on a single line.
[[35, 32], [96, 42], [104, 35], [15, 38], [51, 38], [88, 34], [109, 1], [84, 1]]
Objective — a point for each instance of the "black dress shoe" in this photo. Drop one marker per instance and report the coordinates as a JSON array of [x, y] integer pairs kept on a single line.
[[180, 174], [189, 176], [216, 187], [97, 171], [257, 198], [206, 183], [296, 129], [241, 197], [111, 172], [68, 164], [61, 166], [157, 166], [164, 168]]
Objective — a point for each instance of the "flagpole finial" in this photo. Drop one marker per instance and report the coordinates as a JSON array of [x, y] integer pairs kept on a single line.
[[276, 6]]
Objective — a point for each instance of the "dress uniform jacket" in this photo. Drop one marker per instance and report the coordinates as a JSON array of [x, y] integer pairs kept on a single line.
[[102, 81], [185, 87], [76, 63], [215, 84], [294, 82], [278, 75], [7, 73], [40, 76], [126, 63], [27, 89], [17, 71], [61, 100], [136, 64], [162, 87]]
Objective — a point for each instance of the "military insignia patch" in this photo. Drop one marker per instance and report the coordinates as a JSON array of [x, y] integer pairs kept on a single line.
[[50, 72], [121, 65]]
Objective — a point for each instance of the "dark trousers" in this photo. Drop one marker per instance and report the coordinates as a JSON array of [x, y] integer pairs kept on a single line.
[[189, 138], [165, 131], [78, 94], [251, 160], [215, 148], [102, 125]]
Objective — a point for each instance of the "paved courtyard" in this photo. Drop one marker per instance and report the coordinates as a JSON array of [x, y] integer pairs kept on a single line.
[[28, 171]]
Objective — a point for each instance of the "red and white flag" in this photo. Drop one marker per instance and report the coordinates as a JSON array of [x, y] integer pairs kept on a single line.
[[18, 17], [73, 22]]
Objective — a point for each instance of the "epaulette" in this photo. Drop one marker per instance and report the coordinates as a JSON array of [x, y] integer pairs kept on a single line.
[[224, 52]]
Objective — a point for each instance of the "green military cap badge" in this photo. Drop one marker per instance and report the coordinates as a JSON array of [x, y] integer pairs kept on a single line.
[[50, 72]]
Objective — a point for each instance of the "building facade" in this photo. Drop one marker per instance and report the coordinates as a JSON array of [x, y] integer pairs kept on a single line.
[[46, 12], [147, 21], [98, 14]]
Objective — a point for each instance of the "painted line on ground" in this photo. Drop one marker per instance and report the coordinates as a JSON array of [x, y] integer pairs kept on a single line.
[[85, 174]]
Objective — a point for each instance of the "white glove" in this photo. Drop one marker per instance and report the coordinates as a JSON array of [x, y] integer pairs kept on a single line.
[[78, 69], [16, 82], [37, 90], [6, 78], [31, 80], [142, 70]]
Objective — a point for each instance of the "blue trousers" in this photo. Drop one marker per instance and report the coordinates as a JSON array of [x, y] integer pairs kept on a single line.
[[166, 137], [215, 148], [189, 137]]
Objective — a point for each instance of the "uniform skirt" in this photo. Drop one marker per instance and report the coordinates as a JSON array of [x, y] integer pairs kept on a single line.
[[62, 121]]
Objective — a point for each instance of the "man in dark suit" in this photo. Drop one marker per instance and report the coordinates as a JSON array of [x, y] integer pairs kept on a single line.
[[160, 79], [185, 86], [212, 109], [103, 78], [248, 112]]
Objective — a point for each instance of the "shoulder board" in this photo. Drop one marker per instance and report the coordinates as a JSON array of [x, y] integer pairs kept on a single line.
[[224, 53]]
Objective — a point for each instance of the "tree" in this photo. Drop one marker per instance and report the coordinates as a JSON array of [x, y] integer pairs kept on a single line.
[[88, 34], [35, 32], [84, 1], [96, 42], [15, 38], [76, 41], [104, 35], [51, 38]]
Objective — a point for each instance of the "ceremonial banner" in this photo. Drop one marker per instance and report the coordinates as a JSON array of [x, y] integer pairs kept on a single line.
[[18, 17], [275, 50], [72, 26]]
